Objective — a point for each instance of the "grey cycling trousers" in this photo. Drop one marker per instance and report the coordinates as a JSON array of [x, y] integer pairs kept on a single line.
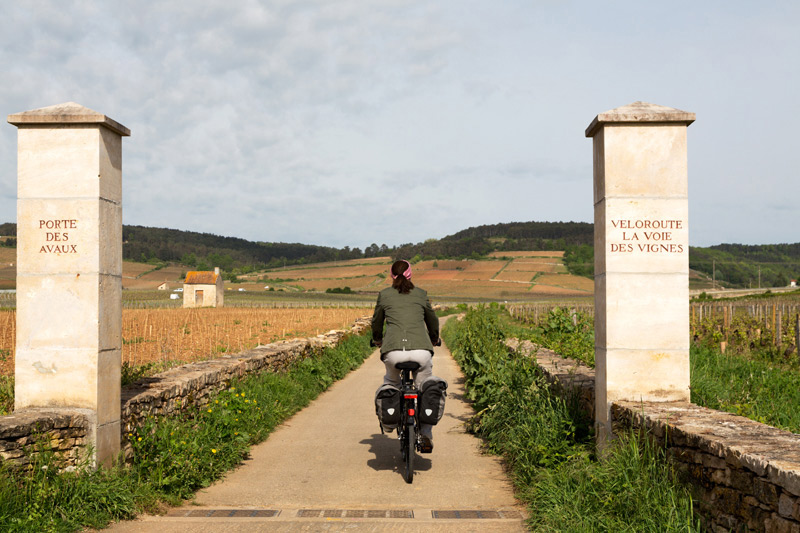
[[425, 360]]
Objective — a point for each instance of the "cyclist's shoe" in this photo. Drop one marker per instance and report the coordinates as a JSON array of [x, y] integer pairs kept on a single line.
[[425, 444]]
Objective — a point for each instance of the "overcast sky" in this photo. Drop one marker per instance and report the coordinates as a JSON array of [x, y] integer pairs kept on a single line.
[[352, 122]]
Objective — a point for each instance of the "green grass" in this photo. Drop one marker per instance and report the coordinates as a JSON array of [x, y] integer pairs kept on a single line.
[[172, 457], [758, 383], [549, 445], [452, 310], [749, 386], [567, 334], [632, 489], [6, 395]]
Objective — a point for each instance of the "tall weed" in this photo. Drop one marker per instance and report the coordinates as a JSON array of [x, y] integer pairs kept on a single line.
[[567, 332], [549, 446], [632, 489], [754, 388]]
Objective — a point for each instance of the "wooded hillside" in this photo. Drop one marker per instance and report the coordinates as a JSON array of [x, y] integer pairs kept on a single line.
[[733, 265]]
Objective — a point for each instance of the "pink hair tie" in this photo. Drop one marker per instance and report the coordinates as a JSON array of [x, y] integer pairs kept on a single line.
[[406, 274]]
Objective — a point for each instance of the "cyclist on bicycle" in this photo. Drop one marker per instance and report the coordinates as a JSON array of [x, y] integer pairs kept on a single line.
[[412, 329]]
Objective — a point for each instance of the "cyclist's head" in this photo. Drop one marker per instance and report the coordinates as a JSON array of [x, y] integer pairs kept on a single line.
[[401, 276]]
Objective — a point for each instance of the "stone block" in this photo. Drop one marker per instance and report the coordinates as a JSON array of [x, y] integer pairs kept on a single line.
[[786, 505], [69, 311], [726, 500], [711, 461], [721, 477], [56, 377], [59, 162], [725, 523], [59, 146], [107, 442], [743, 481], [110, 313], [636, 312], [644, 160], [109, 364], [786, 476], [646, 375], [70, 236], [110, 166], [766, 492], [757, 519], [642, 235], [57, 312], [778, 524]]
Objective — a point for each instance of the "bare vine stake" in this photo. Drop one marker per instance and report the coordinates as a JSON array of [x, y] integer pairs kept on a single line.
[[725, 323], [778, 328], [797, 334]]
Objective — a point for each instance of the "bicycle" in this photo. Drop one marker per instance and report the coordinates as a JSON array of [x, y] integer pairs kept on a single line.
[[408, 430]]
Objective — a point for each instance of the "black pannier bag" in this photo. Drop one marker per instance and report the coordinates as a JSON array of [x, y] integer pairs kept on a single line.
[[387, 405], [431, 400]]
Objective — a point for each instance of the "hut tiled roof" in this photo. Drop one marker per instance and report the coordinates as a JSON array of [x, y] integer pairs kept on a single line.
[[199, 277]]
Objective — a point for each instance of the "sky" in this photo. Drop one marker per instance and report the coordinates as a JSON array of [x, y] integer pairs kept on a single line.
[[355, 122]]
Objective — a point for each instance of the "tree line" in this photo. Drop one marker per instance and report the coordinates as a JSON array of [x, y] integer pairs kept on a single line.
[[733, 265]]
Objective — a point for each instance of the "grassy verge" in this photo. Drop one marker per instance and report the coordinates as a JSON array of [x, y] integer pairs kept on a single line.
[[173, 457], [549, 446], [757, 383], [751, 387], [452, 310], [6, 395], [566, 333]]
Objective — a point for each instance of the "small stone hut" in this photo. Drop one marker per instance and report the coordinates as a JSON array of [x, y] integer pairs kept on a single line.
[[203, 289]]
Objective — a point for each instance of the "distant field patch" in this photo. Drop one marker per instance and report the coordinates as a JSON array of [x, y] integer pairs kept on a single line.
[[134, 270], [441, 264], [552, 290], [515, 275], [476, 289], [383, 260], [434, 275], [354, 283], [146, 276], [8, 267], [566, 281], [333, 272], [528, 254], [480, 270]]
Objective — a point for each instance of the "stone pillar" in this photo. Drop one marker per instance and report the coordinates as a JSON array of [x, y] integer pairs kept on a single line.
[[69, 266], [641, 250]]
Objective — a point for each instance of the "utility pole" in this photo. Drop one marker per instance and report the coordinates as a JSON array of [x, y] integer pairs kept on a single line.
[[759, 276], [714, 273]]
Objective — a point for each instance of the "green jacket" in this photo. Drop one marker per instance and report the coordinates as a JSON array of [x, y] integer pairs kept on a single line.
[[411, 323]]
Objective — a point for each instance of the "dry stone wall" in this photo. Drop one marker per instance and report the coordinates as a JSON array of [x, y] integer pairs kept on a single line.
[[745, 475], [25, 433]]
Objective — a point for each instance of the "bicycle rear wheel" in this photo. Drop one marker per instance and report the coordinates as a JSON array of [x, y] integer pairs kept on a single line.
[[408, 452]]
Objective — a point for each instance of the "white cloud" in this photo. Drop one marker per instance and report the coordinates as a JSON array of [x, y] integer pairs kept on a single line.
[[303, 120]]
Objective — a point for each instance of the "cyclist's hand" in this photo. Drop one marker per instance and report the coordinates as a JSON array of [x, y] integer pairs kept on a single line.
[[373, 342], [437, 342]]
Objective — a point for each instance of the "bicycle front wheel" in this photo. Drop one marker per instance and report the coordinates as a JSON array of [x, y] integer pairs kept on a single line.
[[408, 452]]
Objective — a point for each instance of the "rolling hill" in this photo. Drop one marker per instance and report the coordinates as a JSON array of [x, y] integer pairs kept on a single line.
[[730, 265]]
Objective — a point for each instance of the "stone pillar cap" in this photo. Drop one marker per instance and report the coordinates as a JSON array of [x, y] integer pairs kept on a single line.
[[640, 112], [67, 113]]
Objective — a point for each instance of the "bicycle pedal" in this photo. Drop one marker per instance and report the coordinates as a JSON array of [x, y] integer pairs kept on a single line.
[[426, 445]]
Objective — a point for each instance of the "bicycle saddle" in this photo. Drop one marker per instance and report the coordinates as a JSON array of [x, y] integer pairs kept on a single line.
[[407, 365]]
